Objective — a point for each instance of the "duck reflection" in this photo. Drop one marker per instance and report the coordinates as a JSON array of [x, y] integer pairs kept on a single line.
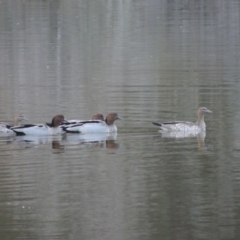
[[7, 139], [56, 145], [110, 144], [94, 140], [27, 141], [181, 135], [200, 138]]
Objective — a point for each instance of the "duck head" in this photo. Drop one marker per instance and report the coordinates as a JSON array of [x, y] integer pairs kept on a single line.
[[203, 110], [98, 116], [111, 117], [58, 120]]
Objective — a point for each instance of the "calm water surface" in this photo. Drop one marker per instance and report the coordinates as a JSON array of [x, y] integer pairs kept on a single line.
[[147, 61]]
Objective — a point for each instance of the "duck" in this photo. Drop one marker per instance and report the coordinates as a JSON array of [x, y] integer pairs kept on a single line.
[[182, 126], [5, 128], [47, 129], [69, 123], [96, 125]]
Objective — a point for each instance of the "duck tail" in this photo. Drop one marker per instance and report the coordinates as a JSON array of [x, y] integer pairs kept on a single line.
[[157, 124], [64, 128]]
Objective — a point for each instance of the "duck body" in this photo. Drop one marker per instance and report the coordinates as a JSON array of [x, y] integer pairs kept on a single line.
[[73, 122], [41, 129], [95, 126], [184, 126], [92, 127], [180, 126], [37, 129], [182, 134], [6, 129]]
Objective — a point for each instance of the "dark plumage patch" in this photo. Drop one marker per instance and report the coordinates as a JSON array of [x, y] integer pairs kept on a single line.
[[175, 122], [157, 124], [76, 124], [82, 123], [166, 123], [64, 128], [24, 126], [73, 131], [19, 133], [68, 123], [89, 121], [49, 124]]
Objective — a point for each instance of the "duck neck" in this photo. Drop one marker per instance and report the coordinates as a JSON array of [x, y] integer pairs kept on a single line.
[[109, 121], [52, 123], [200, 121], [55, 124], [16, 122]]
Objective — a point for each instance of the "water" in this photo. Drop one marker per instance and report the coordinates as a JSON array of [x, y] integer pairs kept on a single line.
[[147, 61]]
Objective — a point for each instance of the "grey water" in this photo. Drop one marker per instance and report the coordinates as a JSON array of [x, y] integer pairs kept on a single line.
[[147, 61]]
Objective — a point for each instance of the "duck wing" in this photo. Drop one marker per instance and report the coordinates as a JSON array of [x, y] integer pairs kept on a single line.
[[5, 125], [27, 129], [89, 126], [174, 126]]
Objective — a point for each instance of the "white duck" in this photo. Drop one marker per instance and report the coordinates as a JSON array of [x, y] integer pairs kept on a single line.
[[5, 128], [41, 129], [182, 126], [95, 126]]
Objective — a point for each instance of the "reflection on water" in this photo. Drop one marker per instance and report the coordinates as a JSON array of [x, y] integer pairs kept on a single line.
[[101, 140], [93, 137], [38, 140], [56, 145], [32, 141], [146, 60], [94, 140]]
